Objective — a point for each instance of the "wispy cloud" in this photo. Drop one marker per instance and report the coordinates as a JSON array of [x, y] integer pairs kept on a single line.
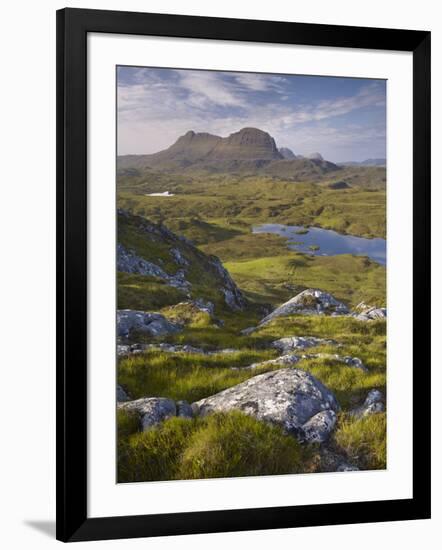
[[337, 117]]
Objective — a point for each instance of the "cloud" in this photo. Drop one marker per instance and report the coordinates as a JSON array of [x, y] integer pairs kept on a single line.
[[156, 106], [207, 87]]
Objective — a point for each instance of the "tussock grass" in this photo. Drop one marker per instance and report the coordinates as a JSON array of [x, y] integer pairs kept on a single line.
[[189, 315], [185, 375], [145, 293], [364, 440], [219, 445], [128, 423]]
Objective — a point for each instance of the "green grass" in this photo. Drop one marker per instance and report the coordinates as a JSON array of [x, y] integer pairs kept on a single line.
[[145, 293], [220, 445], [364, 440], [128, 423], [185, 375], [278, 278]]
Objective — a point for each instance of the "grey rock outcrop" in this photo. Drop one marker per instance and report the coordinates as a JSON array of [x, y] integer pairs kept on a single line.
[[232, 295], [178, 257], [154, 324], [374, 403], [289, 398], [309, 302], [291, 343], [287, 153], [129, 262], [365, 312], [128, 349], [152, 410]]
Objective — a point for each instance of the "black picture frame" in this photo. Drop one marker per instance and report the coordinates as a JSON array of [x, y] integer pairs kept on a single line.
[[73, 25]]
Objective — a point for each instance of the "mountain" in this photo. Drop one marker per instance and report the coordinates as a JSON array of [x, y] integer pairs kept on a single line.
[[248, 151], [287, 153], [315, 156], [368, 162], [300, 168]]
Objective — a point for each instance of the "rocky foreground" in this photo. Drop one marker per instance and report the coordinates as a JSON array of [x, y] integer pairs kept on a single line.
[[286, 396]]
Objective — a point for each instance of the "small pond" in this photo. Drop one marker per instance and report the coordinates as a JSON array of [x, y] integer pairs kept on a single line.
[[325, 242]]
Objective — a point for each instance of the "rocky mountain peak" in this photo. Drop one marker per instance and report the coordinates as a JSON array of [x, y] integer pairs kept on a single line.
[[287, 153], [315, 156]]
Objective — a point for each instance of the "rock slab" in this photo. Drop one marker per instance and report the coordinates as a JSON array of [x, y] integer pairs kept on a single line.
[[291, 343], [290, 398], [309, 302], [152, 410], [155, 324]]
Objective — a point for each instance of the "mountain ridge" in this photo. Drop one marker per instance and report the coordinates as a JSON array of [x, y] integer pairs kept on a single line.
[[250, 150]]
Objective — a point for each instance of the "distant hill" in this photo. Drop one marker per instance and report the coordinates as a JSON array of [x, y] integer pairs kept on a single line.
[[248, 151], [368, 162], [287, 153], [315, 156]]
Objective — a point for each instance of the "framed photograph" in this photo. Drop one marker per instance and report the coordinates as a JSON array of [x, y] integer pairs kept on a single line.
[[243, 303]]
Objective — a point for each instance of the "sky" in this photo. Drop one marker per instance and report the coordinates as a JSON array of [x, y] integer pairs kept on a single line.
[[344, 119]]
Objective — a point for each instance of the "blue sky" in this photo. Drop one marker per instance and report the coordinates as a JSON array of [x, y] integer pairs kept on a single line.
[[341, 118]]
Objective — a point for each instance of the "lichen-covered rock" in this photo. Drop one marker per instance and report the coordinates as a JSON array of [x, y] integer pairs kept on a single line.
[[283, 360], [291, 343], [121, 394], [129, 262], [318, 428], [128, 349], [365, 312], [152, 410], [309, 302], [155, 324], [374, 403], [286, 397]]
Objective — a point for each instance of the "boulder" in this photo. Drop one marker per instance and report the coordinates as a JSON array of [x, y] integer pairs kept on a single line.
[[374, 403], [318, 428], [291, 343], [309, 302], [289, 398], [152, 410], [154, 324], [365, 312]]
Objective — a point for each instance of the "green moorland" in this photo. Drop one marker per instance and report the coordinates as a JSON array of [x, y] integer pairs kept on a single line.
[[217, 213], [231, 205]]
